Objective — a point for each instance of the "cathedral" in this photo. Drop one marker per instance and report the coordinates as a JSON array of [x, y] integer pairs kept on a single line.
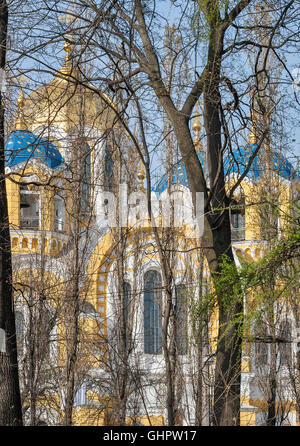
[[89, 294]]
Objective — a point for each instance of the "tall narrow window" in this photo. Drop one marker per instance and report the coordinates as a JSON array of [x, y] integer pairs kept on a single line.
[[127, 297], [108, 169], [2, 341], [285, 346], [86, 180], [152, 312], [80, 396], [29, 208], [126, 308], [237, 217], [181, 314], [59, 214]]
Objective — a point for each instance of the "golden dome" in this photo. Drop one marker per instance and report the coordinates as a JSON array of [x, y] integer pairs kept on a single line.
[[66, 102]]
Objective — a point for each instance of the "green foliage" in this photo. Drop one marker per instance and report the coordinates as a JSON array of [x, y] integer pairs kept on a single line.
[[207, 17], [261, 284], [226, 292]]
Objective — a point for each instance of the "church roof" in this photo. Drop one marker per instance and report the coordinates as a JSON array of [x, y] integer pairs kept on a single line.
[[61, 103], [236, 163], [23, 145], [179, 176]]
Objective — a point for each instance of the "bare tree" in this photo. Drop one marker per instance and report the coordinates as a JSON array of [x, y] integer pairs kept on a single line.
[[122, 39], [10, 402], [112, 26]]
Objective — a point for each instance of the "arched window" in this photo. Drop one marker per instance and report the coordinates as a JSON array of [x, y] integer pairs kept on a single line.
[[152, 312], [25, 243], [181, 314], [34, 243], [237, 218], [285, 346], [261, 345]]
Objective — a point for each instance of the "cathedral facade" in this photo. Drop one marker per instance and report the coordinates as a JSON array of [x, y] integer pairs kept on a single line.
[[88, 281]]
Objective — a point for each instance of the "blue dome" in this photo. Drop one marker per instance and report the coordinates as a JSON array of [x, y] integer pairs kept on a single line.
[[23, 145], [179, 175], [239, 162], [238, 165]]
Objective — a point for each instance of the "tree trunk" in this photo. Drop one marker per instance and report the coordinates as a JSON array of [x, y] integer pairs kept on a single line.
[[10, 401], [72, 315], [123, 333]]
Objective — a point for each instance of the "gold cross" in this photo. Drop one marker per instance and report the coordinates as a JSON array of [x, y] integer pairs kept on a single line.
[[20, 121]]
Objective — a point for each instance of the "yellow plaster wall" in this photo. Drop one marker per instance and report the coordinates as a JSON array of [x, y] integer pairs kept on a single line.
[[247, 418], [13, 202]]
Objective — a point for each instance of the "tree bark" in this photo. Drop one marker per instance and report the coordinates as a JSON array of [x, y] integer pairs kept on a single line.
[[10, 400], [228, 358]]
